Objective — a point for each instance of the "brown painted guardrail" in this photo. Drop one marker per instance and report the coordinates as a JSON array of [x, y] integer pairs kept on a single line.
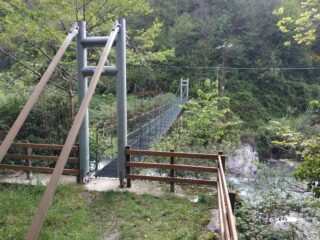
[[29, 157], [172, 167], [42, 146], [228, 229]]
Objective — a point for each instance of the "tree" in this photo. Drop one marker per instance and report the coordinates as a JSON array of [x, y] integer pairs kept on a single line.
[[208, 119], [31, 32], [304, 147], [303, 26]]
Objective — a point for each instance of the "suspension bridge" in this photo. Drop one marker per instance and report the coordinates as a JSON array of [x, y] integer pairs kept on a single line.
[[148, 127], [138, 132]]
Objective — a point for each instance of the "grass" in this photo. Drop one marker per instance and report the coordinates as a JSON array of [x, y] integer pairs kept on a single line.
[[67, 218], [78, 214]]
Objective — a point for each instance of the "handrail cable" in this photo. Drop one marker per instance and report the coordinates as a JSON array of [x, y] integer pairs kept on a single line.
[[39, 217], [36, 93], [237, 68]]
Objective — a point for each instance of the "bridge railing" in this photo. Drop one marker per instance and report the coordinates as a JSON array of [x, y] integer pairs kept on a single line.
[[226, 218], [29, 156]]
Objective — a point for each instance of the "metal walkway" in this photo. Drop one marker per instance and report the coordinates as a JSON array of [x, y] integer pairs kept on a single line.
[[110, 170]]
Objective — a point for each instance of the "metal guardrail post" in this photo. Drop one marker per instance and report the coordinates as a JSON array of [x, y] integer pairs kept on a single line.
[[181, 92], [84, 153], [187, 90], [121, 93], [184, 90]]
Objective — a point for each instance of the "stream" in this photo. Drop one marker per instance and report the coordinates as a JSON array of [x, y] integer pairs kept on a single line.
[[272, 184]]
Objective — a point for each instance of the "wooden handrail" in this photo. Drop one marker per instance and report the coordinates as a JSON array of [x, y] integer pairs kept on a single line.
[[224, 196], [41, 146], [74, 172], [172, 179], [220, 210], [225, 232], [38, 157], [172, 154], [172, 166]]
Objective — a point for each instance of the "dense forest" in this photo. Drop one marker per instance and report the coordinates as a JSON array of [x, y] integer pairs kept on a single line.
[[238, 43], [253, 65]]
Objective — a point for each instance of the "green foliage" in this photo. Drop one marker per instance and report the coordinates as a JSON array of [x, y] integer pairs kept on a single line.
[[304, 25], [178, 34], [34, 30], [305, 147], [209, 236], [257, 102], [309, 169], [314, 107], [271, 201], [251, 224], [144, 42], [208, 119], [196, 30], [207, 124]]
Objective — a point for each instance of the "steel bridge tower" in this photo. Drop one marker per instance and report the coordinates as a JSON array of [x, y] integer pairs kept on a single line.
[[84, 71]]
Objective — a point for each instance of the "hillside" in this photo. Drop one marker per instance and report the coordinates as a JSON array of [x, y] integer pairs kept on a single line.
[[252, 93]]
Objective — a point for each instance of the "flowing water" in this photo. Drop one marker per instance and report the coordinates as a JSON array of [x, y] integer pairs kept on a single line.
[[273, 183]]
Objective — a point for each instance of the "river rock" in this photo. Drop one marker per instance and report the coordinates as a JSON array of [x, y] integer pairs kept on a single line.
[[244, 162]]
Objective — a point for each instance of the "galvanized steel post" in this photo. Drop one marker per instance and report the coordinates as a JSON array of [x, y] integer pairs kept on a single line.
[[181, 92], [84, 153], [184, 90], [187, 90], [121, 90]]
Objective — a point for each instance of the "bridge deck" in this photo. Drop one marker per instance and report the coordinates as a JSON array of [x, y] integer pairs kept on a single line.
[[110, 170]]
